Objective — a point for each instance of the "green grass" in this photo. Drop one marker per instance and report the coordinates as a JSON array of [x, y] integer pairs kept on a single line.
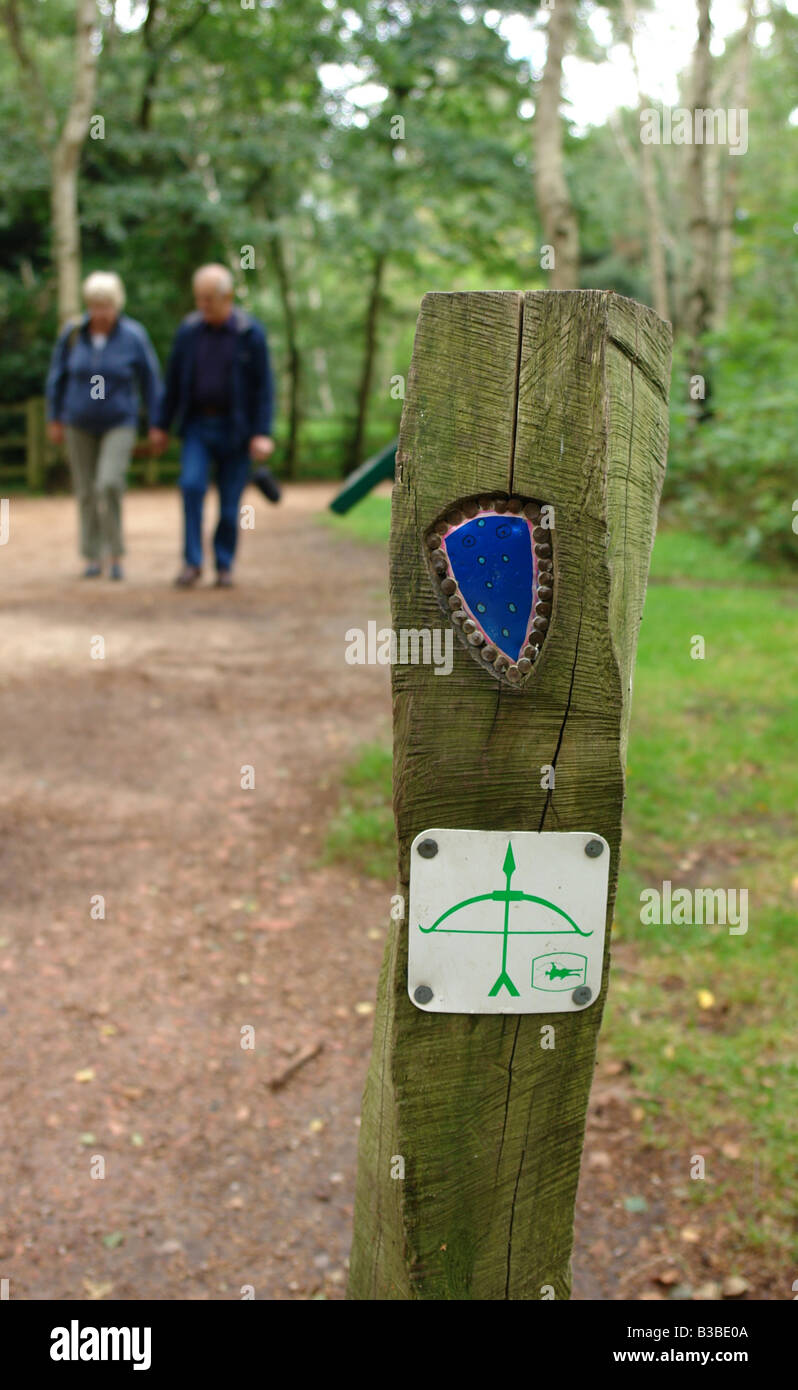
[[369, 521], [712, 787], [361, 832], [686, 557]]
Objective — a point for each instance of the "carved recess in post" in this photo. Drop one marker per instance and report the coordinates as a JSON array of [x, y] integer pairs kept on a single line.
[[491, 560]]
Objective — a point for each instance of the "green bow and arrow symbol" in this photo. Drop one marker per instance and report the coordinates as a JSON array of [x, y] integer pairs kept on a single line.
[[504, 895]]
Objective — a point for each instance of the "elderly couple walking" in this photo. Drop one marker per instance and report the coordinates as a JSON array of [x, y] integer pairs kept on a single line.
[[218, 395]]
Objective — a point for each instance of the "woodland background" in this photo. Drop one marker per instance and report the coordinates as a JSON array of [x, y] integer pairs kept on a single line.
[[276, 127]]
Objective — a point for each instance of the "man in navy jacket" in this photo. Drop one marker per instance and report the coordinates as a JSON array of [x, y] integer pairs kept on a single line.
[[218, 396]]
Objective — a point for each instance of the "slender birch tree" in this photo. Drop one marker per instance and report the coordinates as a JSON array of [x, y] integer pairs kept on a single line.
[[560, 227], [648, 183], [62, 144], [698, 309]]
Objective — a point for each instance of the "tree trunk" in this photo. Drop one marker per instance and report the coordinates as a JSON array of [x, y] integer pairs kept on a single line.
[[292, 348], [260, 197], [648, 180], [728, 207], [698, 310], [157, 53], [65, 165], [354, 452], [560, 229], [151, 68]]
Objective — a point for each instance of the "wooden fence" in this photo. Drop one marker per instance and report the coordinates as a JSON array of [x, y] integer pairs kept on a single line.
[[30, 463]]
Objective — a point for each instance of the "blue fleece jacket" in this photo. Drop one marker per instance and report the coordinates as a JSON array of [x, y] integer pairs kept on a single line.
[[95, 388], [251, 384]]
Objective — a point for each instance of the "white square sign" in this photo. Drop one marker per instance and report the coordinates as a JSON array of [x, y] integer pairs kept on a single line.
[[506, 922]]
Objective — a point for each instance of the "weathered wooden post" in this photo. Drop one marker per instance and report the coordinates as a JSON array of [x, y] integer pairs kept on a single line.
[[542, 419], [35, 443]]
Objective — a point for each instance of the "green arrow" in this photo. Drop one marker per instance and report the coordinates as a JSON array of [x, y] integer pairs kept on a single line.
[[504, 981]]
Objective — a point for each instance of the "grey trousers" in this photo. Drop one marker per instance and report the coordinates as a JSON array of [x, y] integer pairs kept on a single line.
[[99, 463]]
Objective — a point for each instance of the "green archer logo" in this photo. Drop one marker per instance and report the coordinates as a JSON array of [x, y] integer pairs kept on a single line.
[[506, 895]]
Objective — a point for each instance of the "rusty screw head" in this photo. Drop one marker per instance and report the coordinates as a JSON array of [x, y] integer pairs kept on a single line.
[[423, 994], [428, 849], [582, 995]]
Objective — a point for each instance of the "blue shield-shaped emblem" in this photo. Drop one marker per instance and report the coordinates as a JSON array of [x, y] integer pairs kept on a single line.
[[493, 565]]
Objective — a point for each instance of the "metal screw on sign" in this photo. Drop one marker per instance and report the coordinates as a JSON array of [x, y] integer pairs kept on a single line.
[[593, 849], [582, 995], [428, 849], [423, 994]]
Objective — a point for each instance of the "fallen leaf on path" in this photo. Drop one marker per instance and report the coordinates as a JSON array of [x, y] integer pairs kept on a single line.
[[735, 1286], [707, 1293], [96, 1291], [615, 1068]]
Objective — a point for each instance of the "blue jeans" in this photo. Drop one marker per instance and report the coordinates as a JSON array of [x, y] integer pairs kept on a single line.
[[207, 438]]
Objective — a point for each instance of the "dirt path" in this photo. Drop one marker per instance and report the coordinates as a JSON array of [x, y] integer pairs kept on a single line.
[[122, 777], [121, 1036]]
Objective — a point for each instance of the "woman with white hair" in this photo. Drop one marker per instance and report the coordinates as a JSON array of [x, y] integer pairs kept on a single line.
[[101, 365]]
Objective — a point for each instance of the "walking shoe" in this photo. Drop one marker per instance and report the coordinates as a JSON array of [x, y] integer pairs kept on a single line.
[[224, 580], [92, 570], [264, 479], [116, 571], [188, 576]]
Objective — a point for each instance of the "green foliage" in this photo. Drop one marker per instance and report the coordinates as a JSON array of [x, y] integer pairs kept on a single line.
[[733, 475], [275, 128], [361, 833], [369, 521]]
